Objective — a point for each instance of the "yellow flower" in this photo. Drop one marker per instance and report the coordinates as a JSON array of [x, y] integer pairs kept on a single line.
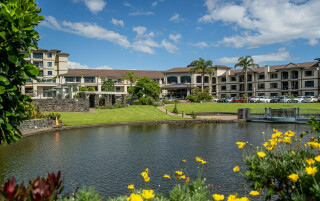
[[187, 179], [292, 152], [261, 154], [317, 158], [254, 193], [146, 179], [203, 162], [135, 197], [183, 177], [218, 197], [287, 140], [236, 169], [198, 159], [179, 172], [263, 133], [145, 175], [311, 170], [293, 177], [232, 198], [166, 176], [184, 161], [241, 144], [266, 144], [147, 194], [310, 161], [131, 186], [243, 199]]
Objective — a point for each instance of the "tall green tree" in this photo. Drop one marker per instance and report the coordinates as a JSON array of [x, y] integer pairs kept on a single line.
[[108, 85], [18, 18], [146, 87], [131, 77], [204, 67], [245, 63]]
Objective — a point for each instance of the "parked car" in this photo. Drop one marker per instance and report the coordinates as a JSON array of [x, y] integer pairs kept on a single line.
[[222, 100], [299, 99], [310, 99], [228, 100], [265, 99], [275, 99], [285, 99], [170, 99], [256, 99], [215, 100], [237, 100]]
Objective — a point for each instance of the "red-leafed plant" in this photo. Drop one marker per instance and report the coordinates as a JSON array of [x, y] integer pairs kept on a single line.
[[39, 189]]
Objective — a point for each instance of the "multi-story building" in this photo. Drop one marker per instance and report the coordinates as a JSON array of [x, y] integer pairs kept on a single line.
[[292, 78]]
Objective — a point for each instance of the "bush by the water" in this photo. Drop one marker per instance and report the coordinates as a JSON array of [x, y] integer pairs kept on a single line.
[[198, 96]]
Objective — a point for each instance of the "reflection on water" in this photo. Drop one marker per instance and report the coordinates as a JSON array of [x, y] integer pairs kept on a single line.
[[111, 158]]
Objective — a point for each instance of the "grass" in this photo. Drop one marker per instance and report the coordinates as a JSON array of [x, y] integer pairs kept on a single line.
[[233, 107], [132, 113]]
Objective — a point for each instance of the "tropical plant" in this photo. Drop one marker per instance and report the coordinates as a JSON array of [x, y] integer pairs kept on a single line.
[[146, 87], [131, 77], [203, 67], [108, 85], [175, 109], [18, 19], [245, 63]]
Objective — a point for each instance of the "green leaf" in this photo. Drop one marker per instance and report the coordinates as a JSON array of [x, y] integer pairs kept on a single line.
[[3, 35], [2, 89], [29, 28], [4, 80]]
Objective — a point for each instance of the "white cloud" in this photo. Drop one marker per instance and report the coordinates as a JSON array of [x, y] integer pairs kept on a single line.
[[127, 4], [176, 18], [104, 67], [76, 65], [171, 48], [94, 6], [266, 22], [117, 22], [154, 3], [201, 44], [136, 13], [198, 28], [175, 37], [143, 41], [281, 55]]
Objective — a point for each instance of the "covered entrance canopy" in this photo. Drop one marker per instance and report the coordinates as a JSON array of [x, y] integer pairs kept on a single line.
[[177, 90]]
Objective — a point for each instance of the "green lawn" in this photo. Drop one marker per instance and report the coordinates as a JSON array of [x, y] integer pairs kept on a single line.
[[132, 113], [233, 107]]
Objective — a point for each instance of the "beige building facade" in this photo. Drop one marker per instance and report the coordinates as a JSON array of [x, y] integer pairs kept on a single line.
[[293, 78]]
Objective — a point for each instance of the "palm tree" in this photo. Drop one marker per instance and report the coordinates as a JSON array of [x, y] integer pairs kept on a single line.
[[245, 63], [131, 77], [204, 67]]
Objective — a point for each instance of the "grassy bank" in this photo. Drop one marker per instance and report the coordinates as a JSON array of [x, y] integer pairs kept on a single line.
[[233, 107], [132, 113]]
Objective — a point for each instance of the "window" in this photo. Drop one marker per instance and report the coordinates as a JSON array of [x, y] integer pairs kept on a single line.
[[309, 73], [261, 94], [233, 95], [37, 55], [309, 83], [109, 79], [273, 85], [249, 78], [284, 75], [78, 79], [273, 75], [261, 77], [294, 85], [40, 73], [233, 87], [49, 64], [294, 74], [89, 79], [223, 79], [261, 86], [38, 64], [214, 80], [172, 80], [49, 72], [206, 79], [274, 94], [49, 55], [241, 78], [117, 89], [214, 89], [223, 88], [69, 79], [185, 79], [199, 79], [309, 93], [233, 79], [119, 80]]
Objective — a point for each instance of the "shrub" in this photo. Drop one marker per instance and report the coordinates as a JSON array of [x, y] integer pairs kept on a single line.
[[193, 115], [143, 101], [87, 195], [175, 109], [192, 98], [158, 104], [136, 102], [150, 100], [167, 102]]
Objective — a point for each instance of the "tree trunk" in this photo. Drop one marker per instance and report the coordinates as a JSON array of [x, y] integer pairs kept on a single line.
[[202, 87], [210, 83], [246, 82]]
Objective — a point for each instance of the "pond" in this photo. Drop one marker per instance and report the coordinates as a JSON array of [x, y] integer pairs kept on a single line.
[[110, 158]]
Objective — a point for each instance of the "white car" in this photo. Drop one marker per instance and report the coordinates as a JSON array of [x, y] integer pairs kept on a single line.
[[310, 99], [299, 99], [215, 100], [256, 99], [265, 99]]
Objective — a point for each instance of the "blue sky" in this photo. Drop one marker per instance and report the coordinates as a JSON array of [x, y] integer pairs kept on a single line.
[[162, 34]]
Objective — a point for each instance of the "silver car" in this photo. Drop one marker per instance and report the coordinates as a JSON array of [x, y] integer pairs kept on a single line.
[[285, 99], [299, 99]]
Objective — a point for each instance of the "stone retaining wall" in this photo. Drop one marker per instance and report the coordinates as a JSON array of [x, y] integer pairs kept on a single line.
[[213, 113], [36, 124], [62, 105]]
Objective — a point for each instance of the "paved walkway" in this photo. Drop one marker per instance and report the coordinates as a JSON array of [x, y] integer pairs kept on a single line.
[[220, 117]]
